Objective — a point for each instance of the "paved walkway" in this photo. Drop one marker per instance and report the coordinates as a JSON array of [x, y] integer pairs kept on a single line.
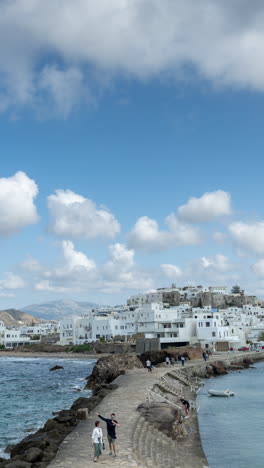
[[139, 444]]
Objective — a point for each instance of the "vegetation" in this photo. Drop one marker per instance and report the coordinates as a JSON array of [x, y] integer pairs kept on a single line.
[[2, 347], [79, 348], [261, 337], [236, 289]]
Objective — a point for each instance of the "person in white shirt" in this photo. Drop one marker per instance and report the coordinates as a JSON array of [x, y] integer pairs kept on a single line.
[[97, 438]]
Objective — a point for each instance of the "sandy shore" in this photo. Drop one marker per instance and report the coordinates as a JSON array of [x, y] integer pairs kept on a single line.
[[51, 355]]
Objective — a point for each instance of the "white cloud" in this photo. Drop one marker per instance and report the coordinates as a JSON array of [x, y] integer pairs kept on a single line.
[[219, 237], [258, 268], [146, 235], [76, 272], [17, 209], [206, 208], [248, 236], [12, 281], [172, 272], [219, 263], [127, 38], [64, 87], [78, 217]]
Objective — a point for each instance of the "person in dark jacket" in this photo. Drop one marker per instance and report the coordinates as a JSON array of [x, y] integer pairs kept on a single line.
[[111, 425]]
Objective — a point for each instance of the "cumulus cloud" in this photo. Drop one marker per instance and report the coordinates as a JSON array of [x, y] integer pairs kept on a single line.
[[64, 88], [12, 281], [258, 268], [147, 236], [206, 208], [74, 216], [76, 272], [219, 263], [125, 38], [248, 236], [172, 272], [17, 208]]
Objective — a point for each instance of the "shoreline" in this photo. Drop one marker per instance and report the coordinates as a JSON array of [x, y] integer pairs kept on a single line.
[[194, 368], [52, 355]]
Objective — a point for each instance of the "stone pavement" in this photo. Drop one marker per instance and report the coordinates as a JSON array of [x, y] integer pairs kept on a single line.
[[139, 444]]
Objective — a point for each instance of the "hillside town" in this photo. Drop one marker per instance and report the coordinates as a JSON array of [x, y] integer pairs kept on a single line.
[[175, 316]]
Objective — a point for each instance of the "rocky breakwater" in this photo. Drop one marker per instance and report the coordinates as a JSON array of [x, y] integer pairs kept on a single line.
[[108, 368], [38, 449]]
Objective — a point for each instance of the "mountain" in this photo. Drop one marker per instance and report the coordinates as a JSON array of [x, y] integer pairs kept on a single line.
[[14, 318], [57, 310]]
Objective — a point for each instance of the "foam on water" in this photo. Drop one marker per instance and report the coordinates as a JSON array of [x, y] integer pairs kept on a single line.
[[232, 428], [29, 392]]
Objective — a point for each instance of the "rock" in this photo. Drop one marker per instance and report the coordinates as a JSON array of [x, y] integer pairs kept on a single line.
[[109, 368], [18, 464], [82, 413], [164, 417], [56, 368], [32, 455]]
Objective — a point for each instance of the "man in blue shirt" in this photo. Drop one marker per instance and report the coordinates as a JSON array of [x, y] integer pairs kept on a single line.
[[111, 425]]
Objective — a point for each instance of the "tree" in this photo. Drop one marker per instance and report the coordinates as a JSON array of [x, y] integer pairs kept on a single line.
[[236, 289], [261, 337]]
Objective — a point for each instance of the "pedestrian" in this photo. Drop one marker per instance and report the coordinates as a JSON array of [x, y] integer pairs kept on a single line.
[[149, 365], [204, 355], [111, 425], [186, 405], [182, 360], [97, 437], [207, 356], [167, 360]]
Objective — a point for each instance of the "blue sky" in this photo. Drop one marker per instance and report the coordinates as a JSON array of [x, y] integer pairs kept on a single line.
[[126, 140]]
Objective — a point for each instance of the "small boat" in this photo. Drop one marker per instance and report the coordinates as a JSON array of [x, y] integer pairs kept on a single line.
[[221, 393]]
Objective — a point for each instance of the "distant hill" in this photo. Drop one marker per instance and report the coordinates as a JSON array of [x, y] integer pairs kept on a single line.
[[57, 310], [15, 318]]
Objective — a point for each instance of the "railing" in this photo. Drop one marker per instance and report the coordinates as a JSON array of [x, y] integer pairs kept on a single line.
[[152, 395], [178, 389]]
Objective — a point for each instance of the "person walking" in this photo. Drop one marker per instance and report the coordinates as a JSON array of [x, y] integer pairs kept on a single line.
[[149, 365], [97, 438], [167, 360], [186, 405], [182, 360], [204, 355], [111, 425]]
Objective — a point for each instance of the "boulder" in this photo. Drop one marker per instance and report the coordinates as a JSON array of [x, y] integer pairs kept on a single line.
[[109, 368], [164, 417], [32, 455], [56, 368], [18, 464]]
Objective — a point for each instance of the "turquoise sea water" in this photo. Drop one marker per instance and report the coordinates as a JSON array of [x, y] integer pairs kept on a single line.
[[29, 392], [232, 429]]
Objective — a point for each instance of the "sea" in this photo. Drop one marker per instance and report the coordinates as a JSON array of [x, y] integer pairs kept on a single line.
[[30, 392], [232, 429]]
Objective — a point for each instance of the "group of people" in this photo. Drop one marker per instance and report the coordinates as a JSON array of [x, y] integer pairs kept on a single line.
[[97, 436], [170, 361]]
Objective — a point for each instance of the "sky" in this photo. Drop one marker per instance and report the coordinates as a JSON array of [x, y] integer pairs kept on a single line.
[[131, 138]]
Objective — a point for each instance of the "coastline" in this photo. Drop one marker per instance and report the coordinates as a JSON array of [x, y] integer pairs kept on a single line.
[[217, 365], [51, 355]]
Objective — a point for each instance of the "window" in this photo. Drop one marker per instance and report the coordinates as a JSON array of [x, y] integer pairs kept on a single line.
[[213, 334], [207, 324]]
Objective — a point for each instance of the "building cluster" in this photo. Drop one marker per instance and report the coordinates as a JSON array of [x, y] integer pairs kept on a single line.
[[177, 317], [183, 316], [11, 337]]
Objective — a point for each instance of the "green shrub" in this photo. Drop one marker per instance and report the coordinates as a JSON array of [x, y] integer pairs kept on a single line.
[[79, 348]]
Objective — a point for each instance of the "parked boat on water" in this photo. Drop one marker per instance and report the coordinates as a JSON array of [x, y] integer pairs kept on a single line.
[[221, 393]]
